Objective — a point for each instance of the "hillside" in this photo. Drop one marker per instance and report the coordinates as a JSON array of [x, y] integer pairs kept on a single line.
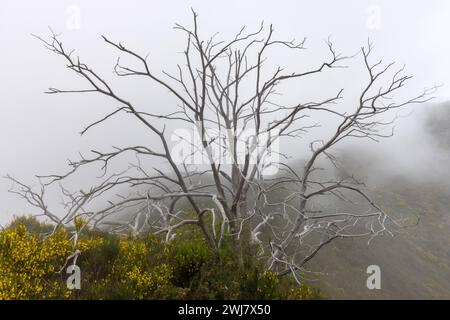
[[414, 264]]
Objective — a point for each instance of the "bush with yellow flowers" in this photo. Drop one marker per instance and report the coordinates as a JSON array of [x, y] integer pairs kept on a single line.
[[303, 292], [137, 268], [28, 264], [31, 262]]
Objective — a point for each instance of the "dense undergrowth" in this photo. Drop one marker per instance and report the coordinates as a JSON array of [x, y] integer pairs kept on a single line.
[[113, 267]]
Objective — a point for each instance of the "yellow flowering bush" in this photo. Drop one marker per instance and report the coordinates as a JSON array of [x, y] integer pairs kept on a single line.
[[303, 292], [90, 243], [28, 264], [134, 268]]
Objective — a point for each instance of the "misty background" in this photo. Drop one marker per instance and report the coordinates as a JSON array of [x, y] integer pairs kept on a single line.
[[39, 132]]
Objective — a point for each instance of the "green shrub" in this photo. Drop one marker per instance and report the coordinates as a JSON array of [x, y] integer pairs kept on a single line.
[[187, 259]]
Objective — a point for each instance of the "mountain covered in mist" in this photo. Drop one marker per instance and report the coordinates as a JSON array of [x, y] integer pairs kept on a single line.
[[415, 263]]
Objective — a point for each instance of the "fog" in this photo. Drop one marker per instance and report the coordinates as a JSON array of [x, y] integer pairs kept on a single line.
[[40, 132]]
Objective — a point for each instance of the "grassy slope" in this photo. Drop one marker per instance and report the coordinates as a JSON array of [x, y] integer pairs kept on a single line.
[[414, 265]]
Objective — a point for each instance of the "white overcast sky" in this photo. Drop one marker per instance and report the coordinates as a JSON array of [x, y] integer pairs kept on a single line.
[[39, 132]]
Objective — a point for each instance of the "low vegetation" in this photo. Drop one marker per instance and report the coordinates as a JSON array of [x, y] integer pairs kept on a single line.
[[33, 261]]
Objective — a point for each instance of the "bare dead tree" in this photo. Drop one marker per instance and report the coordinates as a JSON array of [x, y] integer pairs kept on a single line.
[[224, 90]]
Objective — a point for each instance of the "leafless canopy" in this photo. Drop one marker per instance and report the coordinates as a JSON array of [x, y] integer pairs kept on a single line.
[[224, 87]]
